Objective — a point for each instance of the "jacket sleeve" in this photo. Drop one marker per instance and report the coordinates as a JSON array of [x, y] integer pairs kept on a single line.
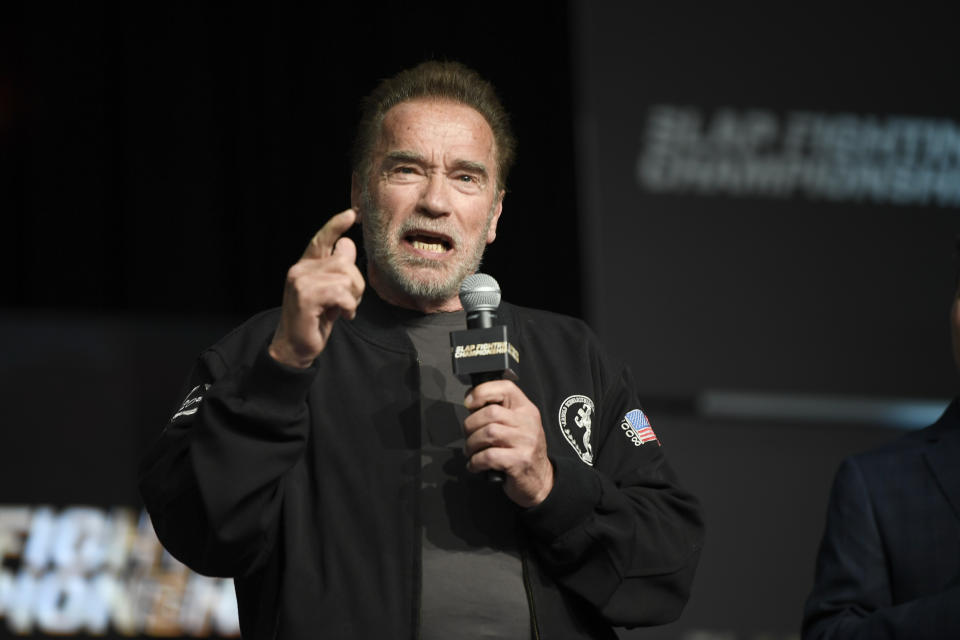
[[621, 533], [213, 480], [852, 595]]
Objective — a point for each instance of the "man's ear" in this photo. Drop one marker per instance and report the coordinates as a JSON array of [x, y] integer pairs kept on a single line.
[[355, 191], [497, 210]]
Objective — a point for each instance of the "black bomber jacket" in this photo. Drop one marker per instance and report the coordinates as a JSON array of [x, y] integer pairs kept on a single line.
[[303, 485]]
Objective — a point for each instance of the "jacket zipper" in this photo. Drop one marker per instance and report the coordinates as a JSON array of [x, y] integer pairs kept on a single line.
[[418, 525], [534, 627]]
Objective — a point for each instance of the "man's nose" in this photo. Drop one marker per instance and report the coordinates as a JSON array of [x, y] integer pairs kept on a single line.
[[435, 196]]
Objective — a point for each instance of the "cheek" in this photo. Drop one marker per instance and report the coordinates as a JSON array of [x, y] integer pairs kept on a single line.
[[479, 214], [394, 200]]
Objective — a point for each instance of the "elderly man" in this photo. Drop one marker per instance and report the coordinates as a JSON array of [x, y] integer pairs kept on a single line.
[[328, 459]]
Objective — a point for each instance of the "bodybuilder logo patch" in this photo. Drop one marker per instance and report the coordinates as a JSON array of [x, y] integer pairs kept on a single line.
[[192, 402], [576, 416]]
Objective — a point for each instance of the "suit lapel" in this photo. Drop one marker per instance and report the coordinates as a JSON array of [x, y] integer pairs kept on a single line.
[[942, 452]]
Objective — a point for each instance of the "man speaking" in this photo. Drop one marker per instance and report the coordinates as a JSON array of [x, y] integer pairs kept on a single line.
[[328, 459]]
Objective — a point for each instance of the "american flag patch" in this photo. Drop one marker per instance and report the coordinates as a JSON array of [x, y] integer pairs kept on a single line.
[[642, 429]]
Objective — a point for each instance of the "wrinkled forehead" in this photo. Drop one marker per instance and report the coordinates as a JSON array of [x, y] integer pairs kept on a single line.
[[437, 122]]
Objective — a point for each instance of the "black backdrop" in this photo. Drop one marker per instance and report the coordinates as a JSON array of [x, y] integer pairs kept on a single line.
[[178, 157], [829, 289]]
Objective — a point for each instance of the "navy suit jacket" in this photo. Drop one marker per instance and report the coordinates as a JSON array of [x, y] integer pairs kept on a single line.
[[889, 561]]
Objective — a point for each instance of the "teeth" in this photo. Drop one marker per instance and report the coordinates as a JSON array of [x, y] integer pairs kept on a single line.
[[428, 246]]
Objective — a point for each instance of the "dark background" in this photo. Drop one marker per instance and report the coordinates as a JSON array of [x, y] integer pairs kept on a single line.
[[177, 158], [763, 294], [161, 166]]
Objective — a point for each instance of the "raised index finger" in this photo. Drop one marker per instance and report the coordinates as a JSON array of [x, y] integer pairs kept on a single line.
[[322, 243]]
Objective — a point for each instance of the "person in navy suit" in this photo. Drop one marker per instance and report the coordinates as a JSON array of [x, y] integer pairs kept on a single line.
[[889, 561]]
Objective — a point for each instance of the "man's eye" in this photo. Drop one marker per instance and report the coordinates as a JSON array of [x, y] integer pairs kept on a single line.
[[467, 178]]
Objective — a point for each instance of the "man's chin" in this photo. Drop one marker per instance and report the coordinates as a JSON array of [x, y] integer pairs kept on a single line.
[[426, 282], [422, 279], [432, 289]]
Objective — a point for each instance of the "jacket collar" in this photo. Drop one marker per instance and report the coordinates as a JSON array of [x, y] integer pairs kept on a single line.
[[382, 323]]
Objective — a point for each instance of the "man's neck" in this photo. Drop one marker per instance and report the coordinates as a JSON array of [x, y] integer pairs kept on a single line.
[[406, 301]]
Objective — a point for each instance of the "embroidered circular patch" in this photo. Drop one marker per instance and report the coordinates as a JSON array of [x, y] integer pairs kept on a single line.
[[576, 415]]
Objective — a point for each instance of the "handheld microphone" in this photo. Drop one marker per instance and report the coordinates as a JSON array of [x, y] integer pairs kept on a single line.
[[483, 352]]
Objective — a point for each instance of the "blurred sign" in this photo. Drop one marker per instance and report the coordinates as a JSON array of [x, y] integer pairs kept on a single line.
[[837, 157], [89, 571]]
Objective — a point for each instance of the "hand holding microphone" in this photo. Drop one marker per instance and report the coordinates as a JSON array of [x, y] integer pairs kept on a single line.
[[504, 434], [481, 353]]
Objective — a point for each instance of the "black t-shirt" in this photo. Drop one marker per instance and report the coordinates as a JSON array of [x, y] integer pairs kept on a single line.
[[472, 573]]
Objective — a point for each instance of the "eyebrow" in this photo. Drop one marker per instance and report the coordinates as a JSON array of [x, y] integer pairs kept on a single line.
[[416, 158], [471, 166], [405, 156]]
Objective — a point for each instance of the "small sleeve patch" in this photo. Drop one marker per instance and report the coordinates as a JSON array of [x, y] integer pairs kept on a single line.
[[192, 402], [636, 426]]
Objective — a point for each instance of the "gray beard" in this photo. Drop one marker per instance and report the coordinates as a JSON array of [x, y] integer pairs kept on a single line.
[[390, 263]]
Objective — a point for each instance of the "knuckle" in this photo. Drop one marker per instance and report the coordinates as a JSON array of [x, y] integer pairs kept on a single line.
[[481, 459], [294, 272], [496, 433], [494, 412]]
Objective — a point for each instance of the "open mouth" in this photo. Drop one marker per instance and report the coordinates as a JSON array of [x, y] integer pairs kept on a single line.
[[428, 242]]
